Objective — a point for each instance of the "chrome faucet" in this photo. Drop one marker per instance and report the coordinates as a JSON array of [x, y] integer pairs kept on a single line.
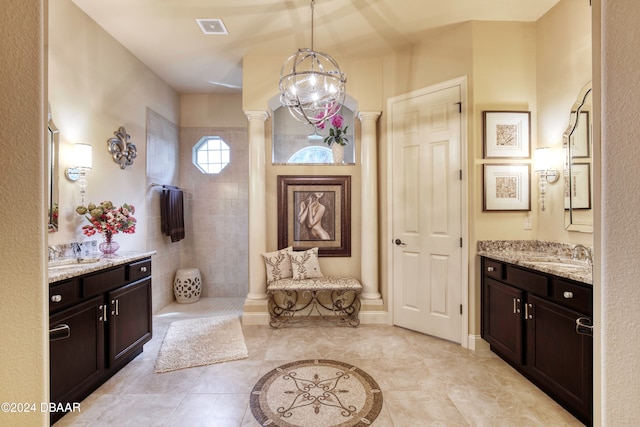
[[578, 249]]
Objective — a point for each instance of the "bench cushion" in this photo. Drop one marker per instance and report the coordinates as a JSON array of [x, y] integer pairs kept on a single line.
[[316, 284]]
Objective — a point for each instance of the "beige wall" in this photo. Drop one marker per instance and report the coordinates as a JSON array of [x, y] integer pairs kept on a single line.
[[96, 86], [563, 68], [24, 342], [618, 254], [212, 110]]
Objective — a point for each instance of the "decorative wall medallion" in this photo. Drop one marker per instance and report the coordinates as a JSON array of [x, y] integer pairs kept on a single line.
[[121, 149], [323, 393]]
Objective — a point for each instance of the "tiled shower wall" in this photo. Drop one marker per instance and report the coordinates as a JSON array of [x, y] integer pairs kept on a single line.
[[216, 210], [163, 147]]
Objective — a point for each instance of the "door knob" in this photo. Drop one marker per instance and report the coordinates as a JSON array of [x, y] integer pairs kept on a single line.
[[399, 242]]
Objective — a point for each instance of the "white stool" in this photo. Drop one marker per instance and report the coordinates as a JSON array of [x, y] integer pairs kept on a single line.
[[187, 285]]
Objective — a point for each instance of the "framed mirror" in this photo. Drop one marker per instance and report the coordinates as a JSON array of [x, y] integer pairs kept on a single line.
[[577, 142], [52, 175]]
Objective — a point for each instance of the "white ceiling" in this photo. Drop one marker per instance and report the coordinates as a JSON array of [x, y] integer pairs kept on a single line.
[[165, 36]]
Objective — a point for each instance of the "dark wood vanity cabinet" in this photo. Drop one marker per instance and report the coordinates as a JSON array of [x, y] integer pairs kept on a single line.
[[529, 320], [98, 323]]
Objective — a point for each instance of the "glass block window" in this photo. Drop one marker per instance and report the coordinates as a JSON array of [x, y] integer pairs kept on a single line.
[[211, 154]]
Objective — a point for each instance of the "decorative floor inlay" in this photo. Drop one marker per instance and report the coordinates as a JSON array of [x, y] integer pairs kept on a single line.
[[316, 393]]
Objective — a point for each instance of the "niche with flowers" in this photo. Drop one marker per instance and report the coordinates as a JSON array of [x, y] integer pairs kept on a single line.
[[295, 142]]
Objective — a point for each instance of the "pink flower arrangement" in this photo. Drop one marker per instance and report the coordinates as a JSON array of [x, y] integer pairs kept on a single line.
[[108, 219], [336, 133]]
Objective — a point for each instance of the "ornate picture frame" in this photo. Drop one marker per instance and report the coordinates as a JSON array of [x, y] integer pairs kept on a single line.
[[315, 211], [506, 187], [507, 134]]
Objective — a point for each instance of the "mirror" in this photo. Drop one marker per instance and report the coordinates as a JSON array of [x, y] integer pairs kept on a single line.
[[577, 142], [300, 143], [52, 175]]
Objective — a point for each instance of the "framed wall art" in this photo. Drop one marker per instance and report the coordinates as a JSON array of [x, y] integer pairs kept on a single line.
[[507, 134], [580, 138], [506, 187], [578, 188], [315, 211]]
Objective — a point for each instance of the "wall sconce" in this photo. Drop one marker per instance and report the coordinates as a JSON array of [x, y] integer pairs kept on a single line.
[[122, 151], [542, 165], [82, 162]]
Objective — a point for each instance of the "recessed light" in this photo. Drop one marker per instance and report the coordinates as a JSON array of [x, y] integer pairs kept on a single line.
[[212, 26]]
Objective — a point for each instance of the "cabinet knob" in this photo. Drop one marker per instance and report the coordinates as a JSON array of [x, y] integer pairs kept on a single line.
[[143, 269], [491, 269], [56, 298], [567, 294]]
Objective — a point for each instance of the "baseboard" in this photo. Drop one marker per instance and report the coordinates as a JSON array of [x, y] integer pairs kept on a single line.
[[476, 343], [255, 318], [374, 318]]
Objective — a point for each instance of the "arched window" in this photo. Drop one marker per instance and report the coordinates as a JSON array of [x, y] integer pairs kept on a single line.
[[313, 154]]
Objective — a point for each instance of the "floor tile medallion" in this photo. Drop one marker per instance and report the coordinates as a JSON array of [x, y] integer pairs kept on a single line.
[[316, 393]]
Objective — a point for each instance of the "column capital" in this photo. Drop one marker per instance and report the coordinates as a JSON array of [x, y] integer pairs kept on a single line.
[[256, 115], [369, 115]]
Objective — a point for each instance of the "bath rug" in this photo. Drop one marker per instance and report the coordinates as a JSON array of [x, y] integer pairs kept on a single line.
[[201, 341]]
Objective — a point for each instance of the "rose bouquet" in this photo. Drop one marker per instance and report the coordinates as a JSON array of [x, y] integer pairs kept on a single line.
[[337, 132]]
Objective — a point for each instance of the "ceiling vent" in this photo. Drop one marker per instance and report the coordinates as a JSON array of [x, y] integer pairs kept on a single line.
[[212, 26]]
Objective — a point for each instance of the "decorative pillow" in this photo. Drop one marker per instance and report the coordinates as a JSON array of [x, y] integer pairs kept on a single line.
[[278, 264], [305, 264]]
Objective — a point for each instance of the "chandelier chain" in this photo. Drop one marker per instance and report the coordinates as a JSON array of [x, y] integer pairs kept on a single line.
[[313, 2]]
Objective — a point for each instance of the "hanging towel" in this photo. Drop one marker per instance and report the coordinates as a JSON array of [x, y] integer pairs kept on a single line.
[[172, 212]]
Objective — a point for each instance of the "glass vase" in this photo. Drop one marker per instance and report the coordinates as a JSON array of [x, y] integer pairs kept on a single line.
[[108, 247]]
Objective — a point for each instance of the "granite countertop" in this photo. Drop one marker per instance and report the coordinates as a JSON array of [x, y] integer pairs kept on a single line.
[[547, 257], [67, 268]]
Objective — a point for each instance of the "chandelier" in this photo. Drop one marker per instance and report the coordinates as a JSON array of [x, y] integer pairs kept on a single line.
[[312, 86]]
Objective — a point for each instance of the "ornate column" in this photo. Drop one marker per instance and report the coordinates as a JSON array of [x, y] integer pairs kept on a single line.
[[369, 218], [257, 205]]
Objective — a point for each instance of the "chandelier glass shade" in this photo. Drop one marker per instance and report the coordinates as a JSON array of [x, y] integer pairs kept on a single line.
[[312, 86]]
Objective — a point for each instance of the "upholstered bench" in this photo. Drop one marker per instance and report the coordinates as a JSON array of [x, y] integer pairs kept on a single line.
[[331, 298]]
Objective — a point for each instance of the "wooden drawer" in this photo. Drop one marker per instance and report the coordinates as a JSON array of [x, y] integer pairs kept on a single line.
[[493, 269], [573, 295], [138, 270], [63, 294], [527, 280], [103, 281]]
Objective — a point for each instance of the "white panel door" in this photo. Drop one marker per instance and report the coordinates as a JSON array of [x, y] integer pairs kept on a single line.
[[427, 213]]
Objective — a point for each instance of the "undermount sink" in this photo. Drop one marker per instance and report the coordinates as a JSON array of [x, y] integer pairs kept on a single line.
[[72, 263]]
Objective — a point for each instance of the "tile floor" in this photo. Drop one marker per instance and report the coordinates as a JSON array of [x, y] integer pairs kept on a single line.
[[425, 381]]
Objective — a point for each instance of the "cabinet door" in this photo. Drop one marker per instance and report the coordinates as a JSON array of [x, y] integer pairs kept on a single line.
[[502, 319], [77, 362], [129, 320], [558, 357]]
